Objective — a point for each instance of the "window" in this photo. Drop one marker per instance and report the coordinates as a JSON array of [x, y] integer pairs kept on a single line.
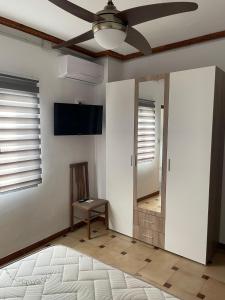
[[20, 144], [146, 131]]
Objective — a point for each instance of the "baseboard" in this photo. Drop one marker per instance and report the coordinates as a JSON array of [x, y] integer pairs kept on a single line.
[[22, 252], [13, 256], [148, 196]]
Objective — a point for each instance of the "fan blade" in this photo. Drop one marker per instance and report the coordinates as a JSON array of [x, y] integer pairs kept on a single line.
[[78, 39], [137, 40], [137, 15], [76, 10]]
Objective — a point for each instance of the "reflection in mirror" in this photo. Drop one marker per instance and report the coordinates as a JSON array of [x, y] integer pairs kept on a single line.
[[150, 144]]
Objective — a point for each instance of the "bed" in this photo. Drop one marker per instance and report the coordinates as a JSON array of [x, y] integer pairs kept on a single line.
[[60, 272]]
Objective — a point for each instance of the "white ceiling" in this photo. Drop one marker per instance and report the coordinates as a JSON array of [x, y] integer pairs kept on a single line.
[[44, 16]]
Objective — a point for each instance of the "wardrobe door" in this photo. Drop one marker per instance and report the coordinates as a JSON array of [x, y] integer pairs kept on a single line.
[[120, 108], [189, 155]]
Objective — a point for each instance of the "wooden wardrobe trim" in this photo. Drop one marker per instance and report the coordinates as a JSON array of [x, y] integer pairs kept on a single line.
[[166, 79], [165, 144], [216, 168], [137, 211]]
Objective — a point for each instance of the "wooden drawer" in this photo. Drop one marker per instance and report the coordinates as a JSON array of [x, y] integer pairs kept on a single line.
[[149, 236], [151, 222]]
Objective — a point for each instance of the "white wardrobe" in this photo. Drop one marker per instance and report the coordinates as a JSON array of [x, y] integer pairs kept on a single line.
[[194, 128]]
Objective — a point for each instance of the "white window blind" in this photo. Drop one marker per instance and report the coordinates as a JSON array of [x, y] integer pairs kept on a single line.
[[146, 131], [20, 140]]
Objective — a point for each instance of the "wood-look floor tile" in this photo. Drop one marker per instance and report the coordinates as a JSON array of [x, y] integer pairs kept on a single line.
[[206, 277], [81, 232], [123, 237], [100, 239], [200, 296], [65, 241], [182, 295], [142, 251], [156, 267], [186, 282], [216, 270], [98, 225], [87, 249], [160, 268], [213, 290], [129, 265], [167, 285], [119, 245], [109, 257], [190, 266]]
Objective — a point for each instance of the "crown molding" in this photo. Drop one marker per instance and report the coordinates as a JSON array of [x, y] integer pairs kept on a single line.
[[122, 57], [42, 35], [180, 44]]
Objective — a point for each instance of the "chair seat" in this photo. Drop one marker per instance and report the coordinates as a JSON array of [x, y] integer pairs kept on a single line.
[[90, 206]]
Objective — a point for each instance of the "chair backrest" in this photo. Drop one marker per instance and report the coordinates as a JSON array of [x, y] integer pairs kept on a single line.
[[79, 183]]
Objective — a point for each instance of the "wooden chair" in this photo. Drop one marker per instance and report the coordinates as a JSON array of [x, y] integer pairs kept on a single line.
[[79, 189]]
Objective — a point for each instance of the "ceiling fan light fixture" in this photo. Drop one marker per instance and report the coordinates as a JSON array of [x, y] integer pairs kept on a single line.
[[110, 35], [110, 38], [111, 27]]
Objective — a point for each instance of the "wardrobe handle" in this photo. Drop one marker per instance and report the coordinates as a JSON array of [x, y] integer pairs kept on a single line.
[[133, 160], [147, 236], [149, 222], [169, 164]]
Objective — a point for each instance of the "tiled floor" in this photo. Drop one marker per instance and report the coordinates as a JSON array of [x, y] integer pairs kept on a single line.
[[153, 203], [178, 276]]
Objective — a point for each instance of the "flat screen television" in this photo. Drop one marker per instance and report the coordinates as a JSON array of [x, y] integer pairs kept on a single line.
[[77, 119]]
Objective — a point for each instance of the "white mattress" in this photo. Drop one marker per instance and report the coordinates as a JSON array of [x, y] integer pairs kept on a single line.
[[62, 273]]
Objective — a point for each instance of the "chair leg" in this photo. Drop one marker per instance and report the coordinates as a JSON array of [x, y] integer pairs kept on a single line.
[[107, 216], [71, 219], [89, 226]]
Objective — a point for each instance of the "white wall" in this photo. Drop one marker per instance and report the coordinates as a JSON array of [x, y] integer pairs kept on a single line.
[[100, 146], [148, 172], [31, 215], [201, 55], [113, 71]]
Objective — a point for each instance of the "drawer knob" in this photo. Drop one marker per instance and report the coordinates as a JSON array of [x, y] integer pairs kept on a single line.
[[147, 236], [147, 221]]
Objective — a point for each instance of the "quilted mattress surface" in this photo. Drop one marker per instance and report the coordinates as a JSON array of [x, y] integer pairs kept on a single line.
[[62, 273]]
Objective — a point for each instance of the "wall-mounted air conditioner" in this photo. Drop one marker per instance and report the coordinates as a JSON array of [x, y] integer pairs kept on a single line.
[[80, 69]]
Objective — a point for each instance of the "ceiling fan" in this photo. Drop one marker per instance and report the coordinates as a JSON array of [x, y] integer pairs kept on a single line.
[[111, 27]]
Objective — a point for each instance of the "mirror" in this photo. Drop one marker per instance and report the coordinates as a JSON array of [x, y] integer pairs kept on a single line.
[[150, 145]]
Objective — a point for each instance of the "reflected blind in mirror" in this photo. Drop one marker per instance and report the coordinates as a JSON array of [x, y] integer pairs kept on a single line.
[[20, 140], [146, 131]]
